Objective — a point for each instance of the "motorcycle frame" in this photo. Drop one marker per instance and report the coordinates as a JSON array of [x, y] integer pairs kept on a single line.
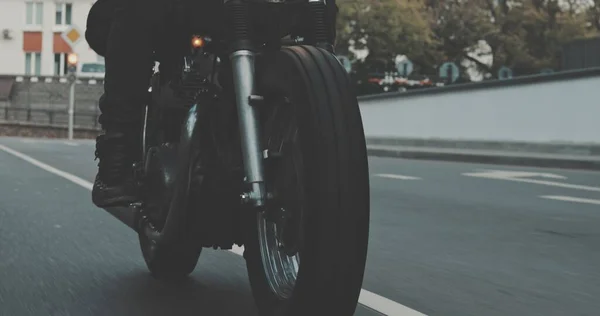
[[241, 44]]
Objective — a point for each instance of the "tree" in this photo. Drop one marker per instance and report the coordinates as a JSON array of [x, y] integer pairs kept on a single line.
[[593, 13], [459, 26], [527, 35], [386, 28], [524, 35]]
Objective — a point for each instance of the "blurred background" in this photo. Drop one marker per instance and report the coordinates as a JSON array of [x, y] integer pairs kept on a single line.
[[386, 46], [482, 124], [402, 45]]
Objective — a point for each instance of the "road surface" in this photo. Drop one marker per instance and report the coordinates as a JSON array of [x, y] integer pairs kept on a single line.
[[446, 239]]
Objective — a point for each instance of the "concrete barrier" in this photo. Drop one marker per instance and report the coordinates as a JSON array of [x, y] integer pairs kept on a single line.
[[20, 129], [563, 108]]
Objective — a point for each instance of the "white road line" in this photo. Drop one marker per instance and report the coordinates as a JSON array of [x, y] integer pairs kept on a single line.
[[73, 178], [514, 176], [521, 174], [396, 176], [384, 305], [369, 299], [71, 143], [570, 199]]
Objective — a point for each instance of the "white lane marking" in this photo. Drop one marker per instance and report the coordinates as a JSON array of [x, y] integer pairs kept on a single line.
[[73, 178], [385, 306], [71, 143], [376, 302], [570, 199], [369, 299], [518, 176], [396, 176]]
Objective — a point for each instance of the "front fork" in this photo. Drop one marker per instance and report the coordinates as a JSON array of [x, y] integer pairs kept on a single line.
[[242, 59], [242, 63]]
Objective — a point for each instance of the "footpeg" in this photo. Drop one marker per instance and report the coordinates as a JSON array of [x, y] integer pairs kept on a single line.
[[268, 154], [256, 100]]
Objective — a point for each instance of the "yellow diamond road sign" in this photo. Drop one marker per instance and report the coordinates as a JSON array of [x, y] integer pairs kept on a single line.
[[72, 35]]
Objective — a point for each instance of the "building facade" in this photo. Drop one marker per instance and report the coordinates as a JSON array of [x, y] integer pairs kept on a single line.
[[30, 36]]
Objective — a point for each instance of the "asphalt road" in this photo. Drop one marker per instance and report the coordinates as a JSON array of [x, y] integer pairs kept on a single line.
[[446, 239]]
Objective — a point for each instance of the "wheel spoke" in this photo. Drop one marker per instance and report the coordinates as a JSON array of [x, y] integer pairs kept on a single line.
[[281, 269]]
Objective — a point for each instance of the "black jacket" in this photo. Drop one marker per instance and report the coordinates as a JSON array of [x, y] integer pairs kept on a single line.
[[98, 25]]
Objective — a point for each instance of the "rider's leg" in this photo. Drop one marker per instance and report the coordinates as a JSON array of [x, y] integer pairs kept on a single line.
[[129, 61]]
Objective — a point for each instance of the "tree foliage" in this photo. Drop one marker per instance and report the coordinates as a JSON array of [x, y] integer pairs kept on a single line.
[[386, 27], [525, 35]]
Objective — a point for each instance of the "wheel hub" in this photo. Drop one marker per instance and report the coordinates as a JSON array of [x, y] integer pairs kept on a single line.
[[280, 225]]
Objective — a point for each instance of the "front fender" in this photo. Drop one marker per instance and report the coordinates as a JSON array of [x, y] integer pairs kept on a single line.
[[187, 150]]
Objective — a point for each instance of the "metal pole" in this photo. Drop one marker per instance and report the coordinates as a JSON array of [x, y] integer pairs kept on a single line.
[[71, 108]]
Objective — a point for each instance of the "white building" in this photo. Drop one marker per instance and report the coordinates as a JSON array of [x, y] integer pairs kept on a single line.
[[30, 36]]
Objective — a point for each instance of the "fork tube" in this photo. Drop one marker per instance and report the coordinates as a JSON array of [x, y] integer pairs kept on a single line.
[[321, 24], [242, 58]]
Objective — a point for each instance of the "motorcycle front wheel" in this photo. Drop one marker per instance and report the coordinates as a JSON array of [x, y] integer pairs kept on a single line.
[[306, 252], [175, 260]]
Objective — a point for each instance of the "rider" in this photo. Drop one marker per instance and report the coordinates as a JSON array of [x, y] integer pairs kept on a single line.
[[124, 32]]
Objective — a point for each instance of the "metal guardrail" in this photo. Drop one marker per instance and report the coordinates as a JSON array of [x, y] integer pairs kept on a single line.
[[48, 93], [51, 117]]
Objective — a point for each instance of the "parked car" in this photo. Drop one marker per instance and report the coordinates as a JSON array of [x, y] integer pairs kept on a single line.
[[91, 71]]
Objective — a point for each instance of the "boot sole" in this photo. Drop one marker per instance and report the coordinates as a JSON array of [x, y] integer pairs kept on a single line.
[[116, 201]]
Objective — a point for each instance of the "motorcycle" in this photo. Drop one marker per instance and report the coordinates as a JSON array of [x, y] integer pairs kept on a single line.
[[254, 139]]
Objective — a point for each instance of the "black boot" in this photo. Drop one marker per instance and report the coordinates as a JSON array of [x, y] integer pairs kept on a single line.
[[115, 184]]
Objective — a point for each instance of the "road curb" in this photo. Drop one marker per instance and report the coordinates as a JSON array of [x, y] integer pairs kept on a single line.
[[556, 148], [488, 158]]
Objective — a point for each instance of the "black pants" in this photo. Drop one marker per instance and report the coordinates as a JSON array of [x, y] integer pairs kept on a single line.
[[128, 32], [121, 31]]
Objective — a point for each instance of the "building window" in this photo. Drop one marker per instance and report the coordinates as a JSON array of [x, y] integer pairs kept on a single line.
[[64, 13], [34, 12], [33, 64], [38, 64], [60, 64]]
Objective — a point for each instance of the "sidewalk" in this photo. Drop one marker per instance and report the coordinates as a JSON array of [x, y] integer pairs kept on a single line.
[[516, 157]]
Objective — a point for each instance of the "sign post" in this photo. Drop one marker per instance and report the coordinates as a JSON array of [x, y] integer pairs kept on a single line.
[[72, 77], [72, 36], [405, 67], [450, 72], [505, 73]]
